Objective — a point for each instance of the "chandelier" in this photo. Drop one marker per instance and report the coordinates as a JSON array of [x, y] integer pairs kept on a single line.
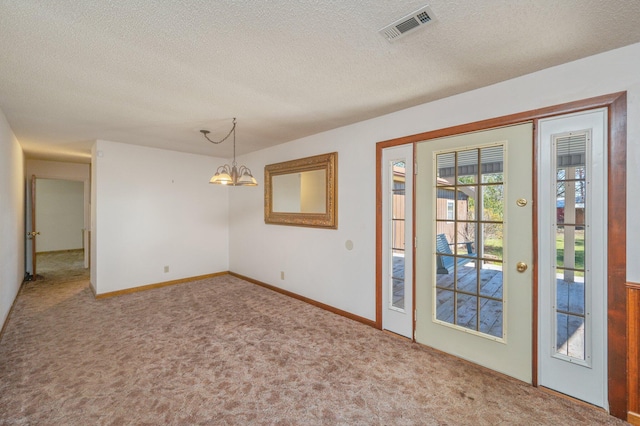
[[231, 174]]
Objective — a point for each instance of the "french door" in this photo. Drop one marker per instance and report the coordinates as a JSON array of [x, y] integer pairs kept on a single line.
[[397, 217], [474, 247], [572, 255]]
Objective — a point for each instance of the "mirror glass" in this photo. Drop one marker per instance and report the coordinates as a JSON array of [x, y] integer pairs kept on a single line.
[[302, 192]]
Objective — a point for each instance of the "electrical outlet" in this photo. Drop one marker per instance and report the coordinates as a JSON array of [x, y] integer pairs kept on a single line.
[[282, 275], [166, 269]]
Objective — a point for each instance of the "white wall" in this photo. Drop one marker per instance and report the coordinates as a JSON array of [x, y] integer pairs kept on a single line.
[[315, 261], [153, 208], [59, 214], [12, 230], [56, 170]]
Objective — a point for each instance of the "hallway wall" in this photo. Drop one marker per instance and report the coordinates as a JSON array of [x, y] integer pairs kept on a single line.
[[12, 230], [59, 214]]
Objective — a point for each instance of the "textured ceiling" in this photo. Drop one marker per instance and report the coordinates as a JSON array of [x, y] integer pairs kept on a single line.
[[155, 72]]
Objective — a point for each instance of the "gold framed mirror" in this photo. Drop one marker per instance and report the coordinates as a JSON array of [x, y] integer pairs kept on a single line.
[[302, 192]]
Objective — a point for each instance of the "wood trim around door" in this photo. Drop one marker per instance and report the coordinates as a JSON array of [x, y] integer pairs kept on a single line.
[[617, 257], [534, 259], [33, 228], [616, 103]]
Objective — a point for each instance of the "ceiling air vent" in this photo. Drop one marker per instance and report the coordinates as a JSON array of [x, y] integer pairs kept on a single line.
[[407, 24]]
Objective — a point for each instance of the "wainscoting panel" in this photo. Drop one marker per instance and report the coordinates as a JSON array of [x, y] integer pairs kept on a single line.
[[633, 327]]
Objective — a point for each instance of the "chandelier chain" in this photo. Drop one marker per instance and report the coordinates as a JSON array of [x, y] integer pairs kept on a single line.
[[231, 174], [206, 132]]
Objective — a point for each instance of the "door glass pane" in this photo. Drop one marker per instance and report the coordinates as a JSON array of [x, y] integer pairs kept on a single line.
[[570, 238], [580, 190], [492, 234], [467, 279], [446, 208], [569, 295], [446, 172], [465, 238], [467, 202], [492, 164], [467, 166], [397, 287], [466, 312], [570, 336], [493, 202], [468, 249], [491, 282], [445, 280], [491, 316], [398, 293], [570, 249], [445, 300]]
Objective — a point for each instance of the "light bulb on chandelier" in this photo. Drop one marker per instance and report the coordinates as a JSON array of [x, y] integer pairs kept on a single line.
[[231, 175]]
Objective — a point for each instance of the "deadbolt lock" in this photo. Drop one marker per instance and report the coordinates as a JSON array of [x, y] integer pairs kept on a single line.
[[521, 266], [521, 202]]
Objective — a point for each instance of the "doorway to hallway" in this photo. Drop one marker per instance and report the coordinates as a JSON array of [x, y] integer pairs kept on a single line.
[[58, 233]]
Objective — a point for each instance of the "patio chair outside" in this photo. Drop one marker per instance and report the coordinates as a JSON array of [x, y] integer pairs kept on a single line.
[[445, 258]]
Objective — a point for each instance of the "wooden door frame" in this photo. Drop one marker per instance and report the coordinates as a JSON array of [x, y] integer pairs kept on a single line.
[[616, 104], [33, 228]]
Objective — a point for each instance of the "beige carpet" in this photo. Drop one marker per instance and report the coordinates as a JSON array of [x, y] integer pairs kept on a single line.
[[223, 351], [61, 266]]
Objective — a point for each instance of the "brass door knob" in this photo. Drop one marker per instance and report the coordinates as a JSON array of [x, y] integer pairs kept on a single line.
[[521, 202], [521, 266]]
